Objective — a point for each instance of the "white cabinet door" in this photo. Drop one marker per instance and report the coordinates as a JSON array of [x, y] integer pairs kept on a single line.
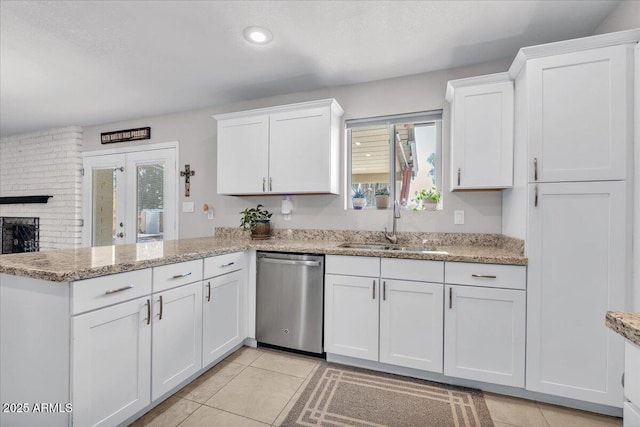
[[577, 249], [484, 337], [482, 137], [243, 155], [177, 337], [579, 126], [351, 316], [111, 363], [411, 324], [222, 315], [300, 151]]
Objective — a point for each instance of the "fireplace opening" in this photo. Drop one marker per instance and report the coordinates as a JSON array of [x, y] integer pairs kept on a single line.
[[20, 234]]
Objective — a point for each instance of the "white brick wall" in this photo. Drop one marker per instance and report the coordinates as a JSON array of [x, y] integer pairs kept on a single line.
[[45, 163]]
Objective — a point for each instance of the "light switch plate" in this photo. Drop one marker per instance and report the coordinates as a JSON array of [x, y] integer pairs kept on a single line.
[[458, 217], [188, 207]]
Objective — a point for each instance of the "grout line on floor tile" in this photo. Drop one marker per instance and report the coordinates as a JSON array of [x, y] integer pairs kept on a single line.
[[278, 372], [305, 384]]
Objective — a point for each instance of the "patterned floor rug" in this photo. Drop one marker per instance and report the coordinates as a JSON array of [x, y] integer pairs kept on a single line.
[[339, 395]]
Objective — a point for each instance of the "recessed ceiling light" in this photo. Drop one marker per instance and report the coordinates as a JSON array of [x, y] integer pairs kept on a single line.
[[257, 35]]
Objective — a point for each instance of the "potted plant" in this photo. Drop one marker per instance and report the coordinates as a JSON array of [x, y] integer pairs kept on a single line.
[[257, 221], [359, 198], [427, 199], [382, 198]]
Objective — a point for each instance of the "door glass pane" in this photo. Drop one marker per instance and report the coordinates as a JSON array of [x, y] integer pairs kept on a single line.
[[104, 207], [150, 202]]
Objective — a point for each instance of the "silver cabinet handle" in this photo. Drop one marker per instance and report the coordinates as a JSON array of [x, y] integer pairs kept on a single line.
[[160, 308], [229, 264], [535, 197], [290, 262], [148, 311], [270, 184], [450, 298], [179, 276], [458, 176], [264, 183], [484, 276], [384, 290], [208, 291], [373, 289], [535, 168], [113, 291]]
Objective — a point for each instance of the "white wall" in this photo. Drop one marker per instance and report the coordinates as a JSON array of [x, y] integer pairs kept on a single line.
[[624, 17], [196, 131], [45, 163]]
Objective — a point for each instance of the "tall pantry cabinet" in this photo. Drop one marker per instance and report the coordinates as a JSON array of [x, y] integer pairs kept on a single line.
[[571, 201]]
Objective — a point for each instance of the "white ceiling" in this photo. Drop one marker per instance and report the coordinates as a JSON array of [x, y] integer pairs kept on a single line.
[[83, 63]]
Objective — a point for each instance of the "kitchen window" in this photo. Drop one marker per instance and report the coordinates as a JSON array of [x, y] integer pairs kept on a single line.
[[399, 154]]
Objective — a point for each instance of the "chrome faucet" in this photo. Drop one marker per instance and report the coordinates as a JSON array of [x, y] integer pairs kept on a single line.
[[393, 238]]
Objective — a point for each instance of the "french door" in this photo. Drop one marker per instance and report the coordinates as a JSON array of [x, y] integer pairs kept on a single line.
[[129, 197]]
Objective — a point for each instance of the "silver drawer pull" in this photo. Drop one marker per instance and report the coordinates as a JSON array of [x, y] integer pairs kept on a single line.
[[484, 276], [179, 276], [113, 291], [229, 264]]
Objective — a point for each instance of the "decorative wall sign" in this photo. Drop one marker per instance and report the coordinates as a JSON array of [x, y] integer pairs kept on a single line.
[[125, 135]]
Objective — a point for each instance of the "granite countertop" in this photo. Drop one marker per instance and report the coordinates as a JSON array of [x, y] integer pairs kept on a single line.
[[84, 263], [626, 324]]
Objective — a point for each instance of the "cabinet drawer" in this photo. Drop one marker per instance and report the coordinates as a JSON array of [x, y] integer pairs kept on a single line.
[[412, 269], [487, 275], [632, 373], [172, 275], [222, 264], [102, 291], [352, 265]]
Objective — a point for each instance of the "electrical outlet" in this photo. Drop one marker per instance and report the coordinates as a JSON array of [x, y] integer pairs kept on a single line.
[[458, 217]]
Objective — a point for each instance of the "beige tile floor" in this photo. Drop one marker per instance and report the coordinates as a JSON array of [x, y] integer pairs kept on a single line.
[[257, 387]]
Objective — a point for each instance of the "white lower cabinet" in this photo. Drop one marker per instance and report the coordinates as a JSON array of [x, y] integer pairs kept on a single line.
[[484, 337], [111, 363], [411, 324], [351, 316], [395, 320], [177, 337], [222, 315]]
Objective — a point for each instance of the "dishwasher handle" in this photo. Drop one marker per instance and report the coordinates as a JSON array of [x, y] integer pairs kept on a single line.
[[289, 262]]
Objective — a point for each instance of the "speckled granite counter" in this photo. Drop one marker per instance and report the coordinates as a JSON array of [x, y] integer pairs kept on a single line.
[[626, 324], [84, 263]]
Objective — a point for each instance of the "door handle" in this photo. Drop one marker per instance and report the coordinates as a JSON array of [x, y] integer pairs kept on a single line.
[[373, 290], [290, 262], [450, 298], [458, 176], [484, 276], [229, 264], [270, 184], [148, 311], [535, 168], [264, 183], [208, 291], [160, 308], [384, 290], [535, 197]]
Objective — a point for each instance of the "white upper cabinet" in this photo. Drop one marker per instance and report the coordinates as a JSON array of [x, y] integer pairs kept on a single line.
[[481, 132], [243, 154], [579, 120], [287, 149]]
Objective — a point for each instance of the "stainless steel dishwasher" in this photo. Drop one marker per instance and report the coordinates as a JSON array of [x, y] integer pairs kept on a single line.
[[290, 293]]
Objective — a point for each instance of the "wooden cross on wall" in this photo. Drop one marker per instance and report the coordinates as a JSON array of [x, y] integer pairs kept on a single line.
[[187, 173]]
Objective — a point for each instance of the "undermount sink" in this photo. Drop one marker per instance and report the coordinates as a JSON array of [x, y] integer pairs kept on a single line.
[[383, 247], [372, 246]]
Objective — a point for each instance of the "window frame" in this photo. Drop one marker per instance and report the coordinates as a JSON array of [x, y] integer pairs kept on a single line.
[[423, 117]]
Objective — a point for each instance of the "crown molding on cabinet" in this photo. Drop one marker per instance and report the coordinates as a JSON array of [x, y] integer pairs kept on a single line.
[[475, 81], [585, 43], [282, 108]]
